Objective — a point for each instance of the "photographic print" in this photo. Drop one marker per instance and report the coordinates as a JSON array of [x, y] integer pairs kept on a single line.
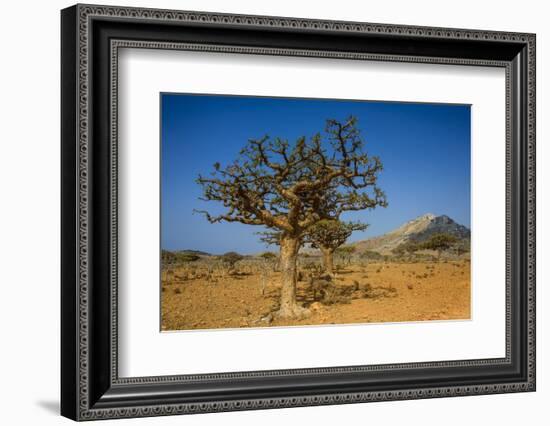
[[299, 212]]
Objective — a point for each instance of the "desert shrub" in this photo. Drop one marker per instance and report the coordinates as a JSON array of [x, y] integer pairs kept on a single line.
[[182, 277], [367, 291], [332, 294], [328, 292], [230, 258], [440, 242], [371, 255], [269, 255], [176, 257], [313, 267], [187, 257], [461, 247], [345, 254], [409, 247], [317, 286]]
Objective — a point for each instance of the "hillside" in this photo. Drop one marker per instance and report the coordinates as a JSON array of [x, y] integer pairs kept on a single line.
[[417, 230]]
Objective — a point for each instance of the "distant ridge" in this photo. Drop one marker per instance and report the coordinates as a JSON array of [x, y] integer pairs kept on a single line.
[[196, 252], [417, 230]]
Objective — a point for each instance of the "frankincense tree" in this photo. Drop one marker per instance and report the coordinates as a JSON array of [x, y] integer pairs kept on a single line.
[[284, 186], [328, 235]]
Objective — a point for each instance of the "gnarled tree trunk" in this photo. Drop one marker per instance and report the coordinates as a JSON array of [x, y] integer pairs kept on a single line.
[[289, 253], [328, 259]]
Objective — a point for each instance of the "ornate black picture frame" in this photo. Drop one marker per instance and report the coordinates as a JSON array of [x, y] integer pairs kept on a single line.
[[91, 37]]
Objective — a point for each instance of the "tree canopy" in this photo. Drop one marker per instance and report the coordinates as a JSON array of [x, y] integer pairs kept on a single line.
[[406, 247], [290, 187], [231, 258], [440, 242], [332, 233]]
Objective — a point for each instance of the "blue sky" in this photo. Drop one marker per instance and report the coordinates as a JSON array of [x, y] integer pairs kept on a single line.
[[425, 149]]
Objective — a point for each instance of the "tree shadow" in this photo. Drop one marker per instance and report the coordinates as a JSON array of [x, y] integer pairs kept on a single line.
[[240, 274], [345, 272], [334, 294], [378, 292]]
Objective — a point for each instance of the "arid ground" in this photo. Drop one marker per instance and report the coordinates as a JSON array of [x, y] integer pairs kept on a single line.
[[367, 293]]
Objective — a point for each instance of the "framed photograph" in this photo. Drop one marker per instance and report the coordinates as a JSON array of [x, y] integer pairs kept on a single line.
[[264, 212]]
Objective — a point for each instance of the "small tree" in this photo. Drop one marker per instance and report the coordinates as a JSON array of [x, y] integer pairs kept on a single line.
[[230, 259], [409, 247], [268, 255], [283, 186], [371, 255], [328, 235], [271, 259], [267, 263], [461, 247], [439, 242], [345, 253]]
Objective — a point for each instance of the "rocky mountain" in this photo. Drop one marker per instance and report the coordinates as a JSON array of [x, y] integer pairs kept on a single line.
[[417, 230]]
